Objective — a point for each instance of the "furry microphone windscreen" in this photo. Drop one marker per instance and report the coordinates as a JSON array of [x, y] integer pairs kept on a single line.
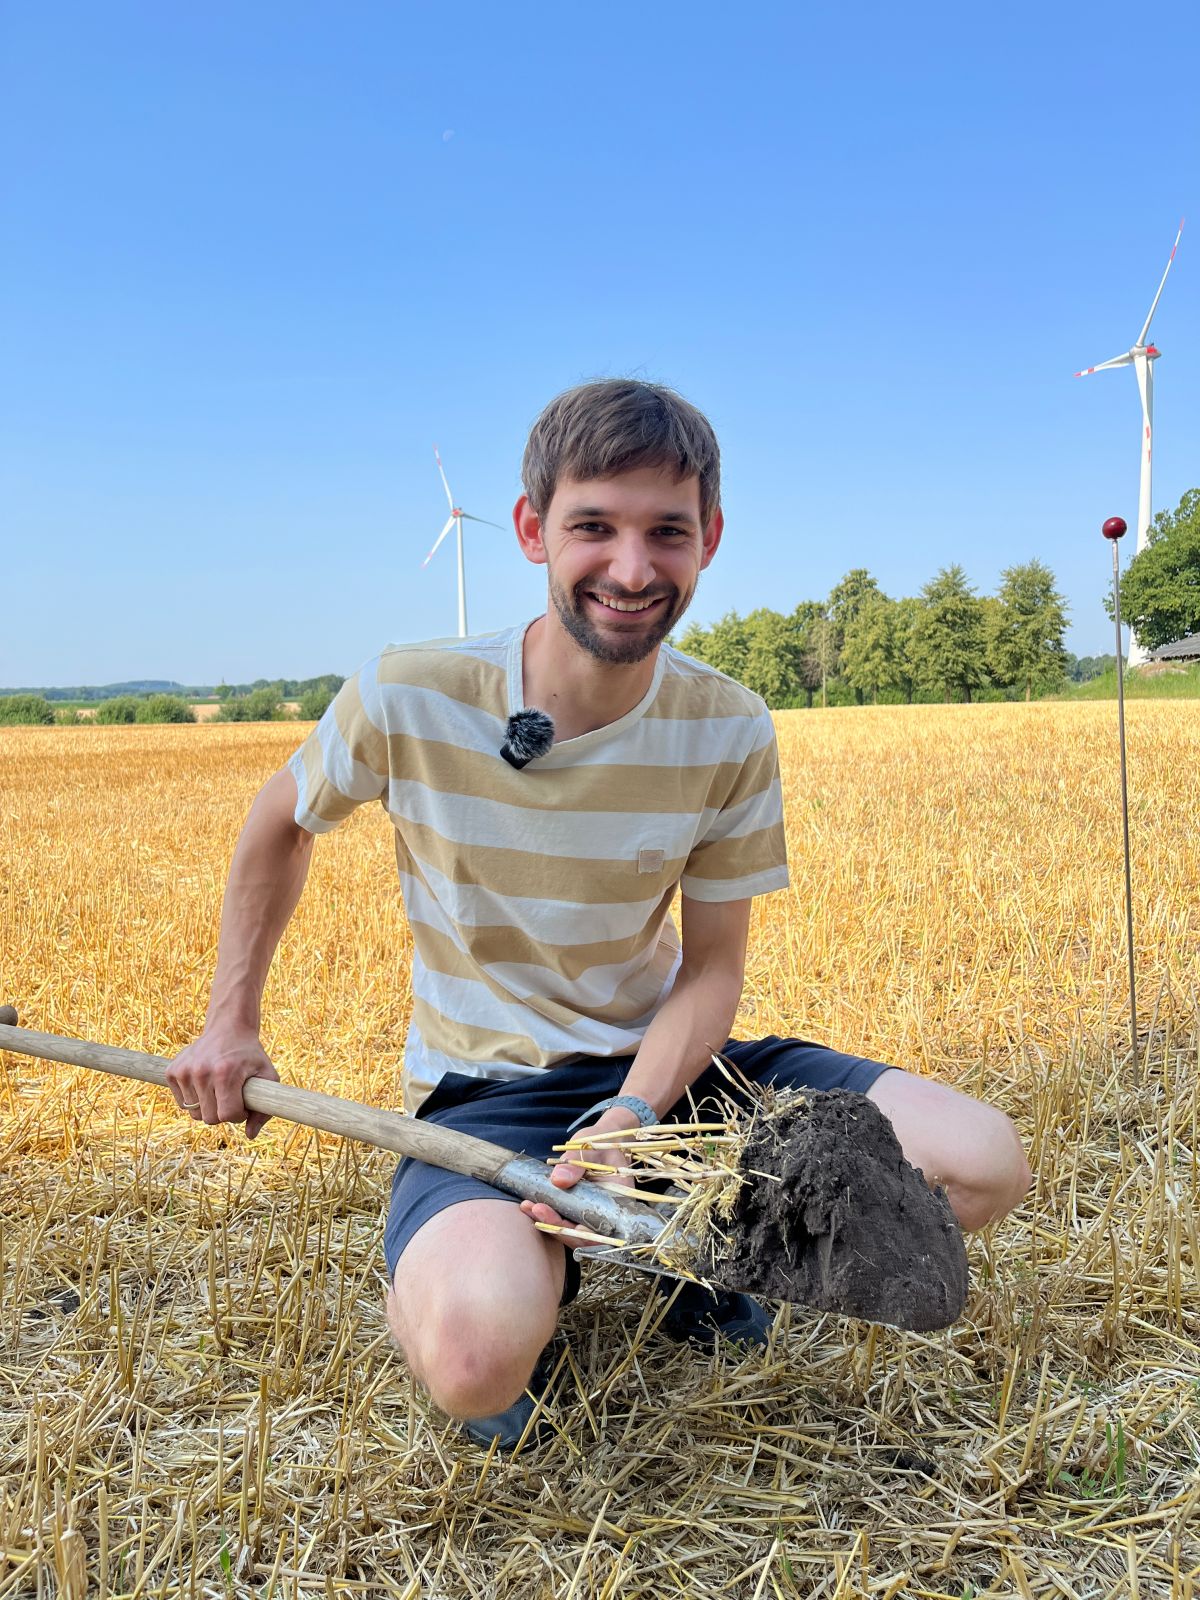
[[528, 734]]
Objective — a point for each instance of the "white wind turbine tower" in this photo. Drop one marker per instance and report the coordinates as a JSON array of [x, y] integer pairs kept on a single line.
[[455, 520], [1141, 356]]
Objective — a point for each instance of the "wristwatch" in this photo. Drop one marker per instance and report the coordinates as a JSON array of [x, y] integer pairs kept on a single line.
[[642, 1109]]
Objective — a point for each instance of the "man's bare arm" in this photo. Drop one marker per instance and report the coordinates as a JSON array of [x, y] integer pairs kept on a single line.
[[698, 1014], [695, 1020], [265, 880]]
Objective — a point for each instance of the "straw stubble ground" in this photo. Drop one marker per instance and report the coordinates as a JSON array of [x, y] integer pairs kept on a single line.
[[199, 1395]]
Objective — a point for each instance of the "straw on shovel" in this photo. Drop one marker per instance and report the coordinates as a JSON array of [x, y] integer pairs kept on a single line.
[[781, 1239]]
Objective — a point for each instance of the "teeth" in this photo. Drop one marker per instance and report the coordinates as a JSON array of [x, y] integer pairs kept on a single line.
[[623, 605]]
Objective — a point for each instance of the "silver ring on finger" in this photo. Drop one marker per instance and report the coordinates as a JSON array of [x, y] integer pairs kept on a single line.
[[189, 1105]]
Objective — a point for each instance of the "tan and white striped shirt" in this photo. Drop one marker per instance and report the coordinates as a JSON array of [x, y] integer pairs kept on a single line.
[[538, 899]]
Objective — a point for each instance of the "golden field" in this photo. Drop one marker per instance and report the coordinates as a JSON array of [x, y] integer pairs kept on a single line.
[[199, 1393]]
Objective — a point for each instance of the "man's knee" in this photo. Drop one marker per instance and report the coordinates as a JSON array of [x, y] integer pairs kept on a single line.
[[1004, 1177], [474, 1359], [992, 1176], [971, 1149], [474, 1301], [473, 1379]]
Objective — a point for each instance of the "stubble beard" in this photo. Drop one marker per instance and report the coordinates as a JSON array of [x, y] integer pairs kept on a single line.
[[614, 652]]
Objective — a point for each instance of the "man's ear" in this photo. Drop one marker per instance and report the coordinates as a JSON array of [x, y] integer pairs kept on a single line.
[[529, 531], [712, 537]]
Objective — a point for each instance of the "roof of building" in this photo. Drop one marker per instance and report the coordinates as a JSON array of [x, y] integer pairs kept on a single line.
[[1181, 649]]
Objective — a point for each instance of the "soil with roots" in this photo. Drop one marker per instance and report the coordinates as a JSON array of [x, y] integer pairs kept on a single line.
[[831, 1215]]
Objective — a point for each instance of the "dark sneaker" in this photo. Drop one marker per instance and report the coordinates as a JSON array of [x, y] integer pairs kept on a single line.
[[701, 1316], [508, 1427]]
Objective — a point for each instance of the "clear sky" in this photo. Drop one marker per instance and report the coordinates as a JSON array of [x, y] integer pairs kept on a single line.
[[256, 259]]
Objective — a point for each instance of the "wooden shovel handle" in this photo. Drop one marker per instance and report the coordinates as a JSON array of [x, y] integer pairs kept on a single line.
[[588, 1203]]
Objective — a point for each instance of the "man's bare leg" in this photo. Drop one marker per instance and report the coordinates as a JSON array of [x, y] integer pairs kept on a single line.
[[473, 1303], [969, 1148]]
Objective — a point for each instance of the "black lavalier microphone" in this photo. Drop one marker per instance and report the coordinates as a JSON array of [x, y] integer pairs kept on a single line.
[[528, 734]]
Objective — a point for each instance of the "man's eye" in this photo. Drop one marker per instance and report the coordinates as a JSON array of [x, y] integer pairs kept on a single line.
[[678, 533]]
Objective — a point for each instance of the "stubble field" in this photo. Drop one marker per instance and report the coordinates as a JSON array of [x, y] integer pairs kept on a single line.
[[199, 1396]]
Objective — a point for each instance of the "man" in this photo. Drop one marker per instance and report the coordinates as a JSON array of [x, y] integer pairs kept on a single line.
[[550, 987]]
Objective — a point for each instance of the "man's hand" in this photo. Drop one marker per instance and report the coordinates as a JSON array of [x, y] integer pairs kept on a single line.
[[567, 1173], [206, 1077]]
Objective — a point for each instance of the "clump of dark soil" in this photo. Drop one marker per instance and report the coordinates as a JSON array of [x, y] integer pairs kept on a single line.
[[842, 1222]]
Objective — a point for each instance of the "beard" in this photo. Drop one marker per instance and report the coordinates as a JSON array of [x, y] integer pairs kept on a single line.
[[615, 650]]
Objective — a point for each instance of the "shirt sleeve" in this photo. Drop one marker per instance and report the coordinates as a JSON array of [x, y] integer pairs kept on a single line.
[[344, 761], [743, 852]]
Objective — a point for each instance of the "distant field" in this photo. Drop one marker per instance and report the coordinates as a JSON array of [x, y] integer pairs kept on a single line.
[[1161, 682], [197, 1365]]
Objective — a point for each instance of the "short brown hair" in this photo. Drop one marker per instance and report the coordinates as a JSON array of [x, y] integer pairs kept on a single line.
[[598, 430]]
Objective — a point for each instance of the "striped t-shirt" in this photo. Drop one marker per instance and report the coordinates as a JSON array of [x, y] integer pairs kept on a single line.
[[539, 899]]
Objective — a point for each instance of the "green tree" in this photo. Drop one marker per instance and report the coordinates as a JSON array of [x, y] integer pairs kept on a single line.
[[1082, 669], [314, 703], [29, 710], [263, 704], [1025, 630], [773, 657], [808, 670], [948, 642], [869, 647], [821, 653], [908, 610], [164, 708], [1160, 588], [121, 708], [846, 600], [725, 645]]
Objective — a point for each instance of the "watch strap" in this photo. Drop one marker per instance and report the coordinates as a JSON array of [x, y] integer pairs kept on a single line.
[[642, 1109]]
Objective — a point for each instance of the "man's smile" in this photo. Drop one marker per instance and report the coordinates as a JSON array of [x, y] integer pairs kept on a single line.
[[611, 603]]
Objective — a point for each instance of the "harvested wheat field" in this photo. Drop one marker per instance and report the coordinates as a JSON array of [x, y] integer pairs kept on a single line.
[[200, 1397]]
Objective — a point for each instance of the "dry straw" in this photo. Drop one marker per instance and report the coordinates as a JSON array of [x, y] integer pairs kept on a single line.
[[200, 1396]]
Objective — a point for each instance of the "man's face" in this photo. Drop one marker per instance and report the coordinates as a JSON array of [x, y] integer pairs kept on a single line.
[[624, 555]]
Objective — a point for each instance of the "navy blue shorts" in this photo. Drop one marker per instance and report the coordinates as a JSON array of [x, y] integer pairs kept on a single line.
[[532, 1115]]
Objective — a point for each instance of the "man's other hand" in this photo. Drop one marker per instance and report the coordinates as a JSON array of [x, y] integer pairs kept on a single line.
[[567, 1173], [206, 1077]]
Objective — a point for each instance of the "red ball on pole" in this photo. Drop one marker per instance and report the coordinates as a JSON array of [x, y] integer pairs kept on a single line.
[[1114, 528]]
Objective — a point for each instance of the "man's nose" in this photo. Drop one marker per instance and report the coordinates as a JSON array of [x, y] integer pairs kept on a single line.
[[631, 563]]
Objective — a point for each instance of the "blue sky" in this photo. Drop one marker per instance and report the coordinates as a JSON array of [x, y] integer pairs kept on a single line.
[[256, 260]]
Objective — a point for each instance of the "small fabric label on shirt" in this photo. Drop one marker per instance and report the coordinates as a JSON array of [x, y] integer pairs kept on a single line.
[[650, 860]]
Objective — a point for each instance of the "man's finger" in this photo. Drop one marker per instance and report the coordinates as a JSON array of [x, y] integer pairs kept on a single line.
[[568, 1173], [537, 1211]]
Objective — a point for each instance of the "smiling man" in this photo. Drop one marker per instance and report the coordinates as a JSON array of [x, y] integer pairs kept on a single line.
[[551, 989]]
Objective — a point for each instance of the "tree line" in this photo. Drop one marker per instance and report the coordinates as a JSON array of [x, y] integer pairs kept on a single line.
[[946, 643], [262, 703]]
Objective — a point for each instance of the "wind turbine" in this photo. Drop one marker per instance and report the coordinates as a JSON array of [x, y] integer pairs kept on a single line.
[[1141, 356], [455, 520]]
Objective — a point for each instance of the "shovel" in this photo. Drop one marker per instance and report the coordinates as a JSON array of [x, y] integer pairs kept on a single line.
[[788, 1242]]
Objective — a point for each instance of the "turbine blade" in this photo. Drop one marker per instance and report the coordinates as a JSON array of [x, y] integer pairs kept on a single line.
[[437, 542], [445, 485], [1117, 361], [467, 517], [1141, 338]]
